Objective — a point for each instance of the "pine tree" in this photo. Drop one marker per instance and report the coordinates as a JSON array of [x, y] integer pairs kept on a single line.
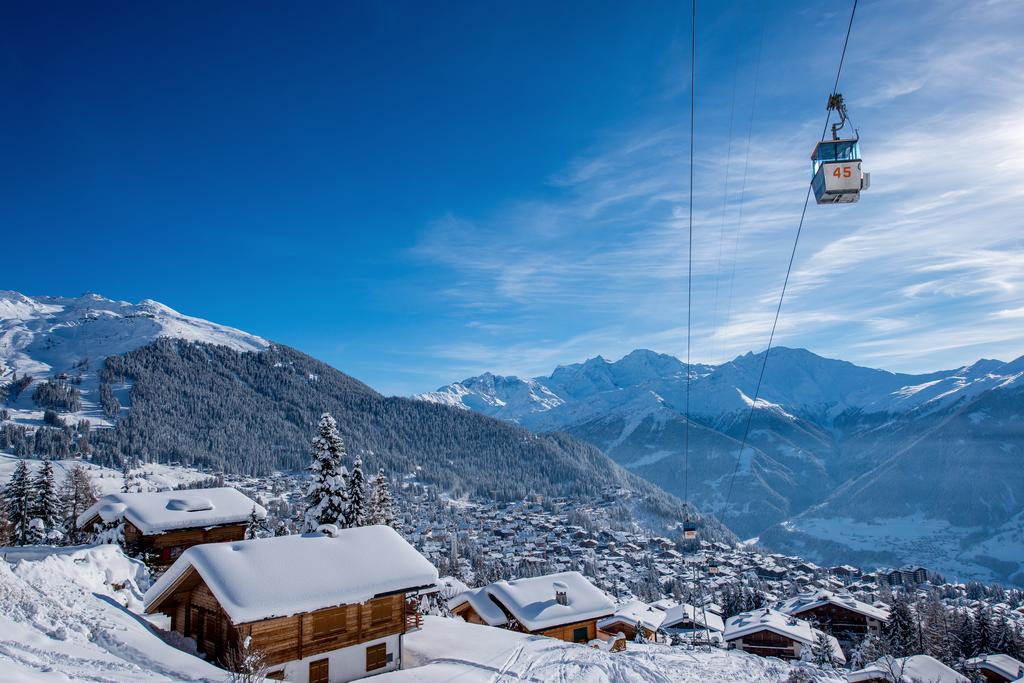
[[282, 528], [17, 504], [984, 632], [900, 632], [132, 482], [78, 495], [327, 496], [382, 505], [46, 504], [821, 651], [257, 525], [938, 634], [357, 512], [866, 652]]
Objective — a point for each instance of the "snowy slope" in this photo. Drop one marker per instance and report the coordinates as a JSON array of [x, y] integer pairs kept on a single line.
[[46, 336], [71, 614], [452, 650]]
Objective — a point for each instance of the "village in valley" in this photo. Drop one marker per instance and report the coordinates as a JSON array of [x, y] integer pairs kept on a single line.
[[235, 567]]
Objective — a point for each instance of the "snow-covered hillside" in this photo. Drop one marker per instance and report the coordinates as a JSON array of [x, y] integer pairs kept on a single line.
[[72, 614], [48, 336]]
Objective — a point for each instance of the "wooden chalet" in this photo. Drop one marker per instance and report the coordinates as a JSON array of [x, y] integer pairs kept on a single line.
[[996, 668], [631, 617], [321, 608], [770, 633], [564, 606], [840, 614], [162, 525], [906, 670]]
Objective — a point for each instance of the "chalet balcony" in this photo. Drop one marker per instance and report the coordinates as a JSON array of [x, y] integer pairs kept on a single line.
[[413, 620]]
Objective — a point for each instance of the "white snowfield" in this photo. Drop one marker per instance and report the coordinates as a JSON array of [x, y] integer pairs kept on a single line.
[[155, 512], [532, 601], [64, 616], [154, 476], [285, 575], [916, 669], [449, 650]]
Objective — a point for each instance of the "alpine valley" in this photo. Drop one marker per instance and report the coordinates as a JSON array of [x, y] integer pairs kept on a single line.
[[144, 381], [843, 463]]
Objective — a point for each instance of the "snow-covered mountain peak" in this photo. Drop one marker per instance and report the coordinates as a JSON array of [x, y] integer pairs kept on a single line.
[[43, 335]]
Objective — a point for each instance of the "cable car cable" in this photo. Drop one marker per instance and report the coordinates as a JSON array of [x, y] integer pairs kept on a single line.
[[785, 282], [689, 266]]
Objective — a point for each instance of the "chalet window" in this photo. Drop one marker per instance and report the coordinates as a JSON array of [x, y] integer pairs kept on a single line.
[[275, 675], [329, 621], [580, 634], [380, 611], [318, 671], [175, 552], [376, 656]]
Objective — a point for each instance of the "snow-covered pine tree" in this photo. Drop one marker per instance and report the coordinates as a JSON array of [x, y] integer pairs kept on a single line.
[[821, 651], [282, 528], [131, 483], [357, 512], [900, 633], [256, 527], [382, 505], [327, 496], [17, 499], [78, 494], [46, 504], [984, 631], [866, 652]]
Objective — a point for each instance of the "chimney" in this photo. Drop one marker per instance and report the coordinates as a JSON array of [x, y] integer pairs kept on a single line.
[[561, 592]]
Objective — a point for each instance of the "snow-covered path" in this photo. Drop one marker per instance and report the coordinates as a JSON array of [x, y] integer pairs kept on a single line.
[[64, 617]]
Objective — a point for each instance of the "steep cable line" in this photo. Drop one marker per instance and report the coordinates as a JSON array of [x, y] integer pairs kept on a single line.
[[785, 283]]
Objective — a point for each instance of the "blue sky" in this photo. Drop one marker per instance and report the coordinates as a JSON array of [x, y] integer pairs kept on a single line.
[[419, 192]]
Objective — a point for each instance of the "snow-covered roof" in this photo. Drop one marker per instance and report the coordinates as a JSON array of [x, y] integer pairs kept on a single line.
[[909, 669], [159, 511], [816, 598], [777, 622], [285, 575], [1004, 665], [482, 604], [678, 613], [532, 601], [633, 612]]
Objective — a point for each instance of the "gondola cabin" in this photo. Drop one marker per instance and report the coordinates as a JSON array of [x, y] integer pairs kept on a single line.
[[689, 530], [838, 178]]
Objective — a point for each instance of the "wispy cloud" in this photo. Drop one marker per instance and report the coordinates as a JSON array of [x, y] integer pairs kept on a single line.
[[927, 271]]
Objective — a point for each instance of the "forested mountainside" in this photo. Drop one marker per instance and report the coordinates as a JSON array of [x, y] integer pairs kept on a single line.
[[252, 412], [843, 463]]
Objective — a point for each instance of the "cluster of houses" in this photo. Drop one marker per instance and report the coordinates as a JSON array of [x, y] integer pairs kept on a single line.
[[335, 605]]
